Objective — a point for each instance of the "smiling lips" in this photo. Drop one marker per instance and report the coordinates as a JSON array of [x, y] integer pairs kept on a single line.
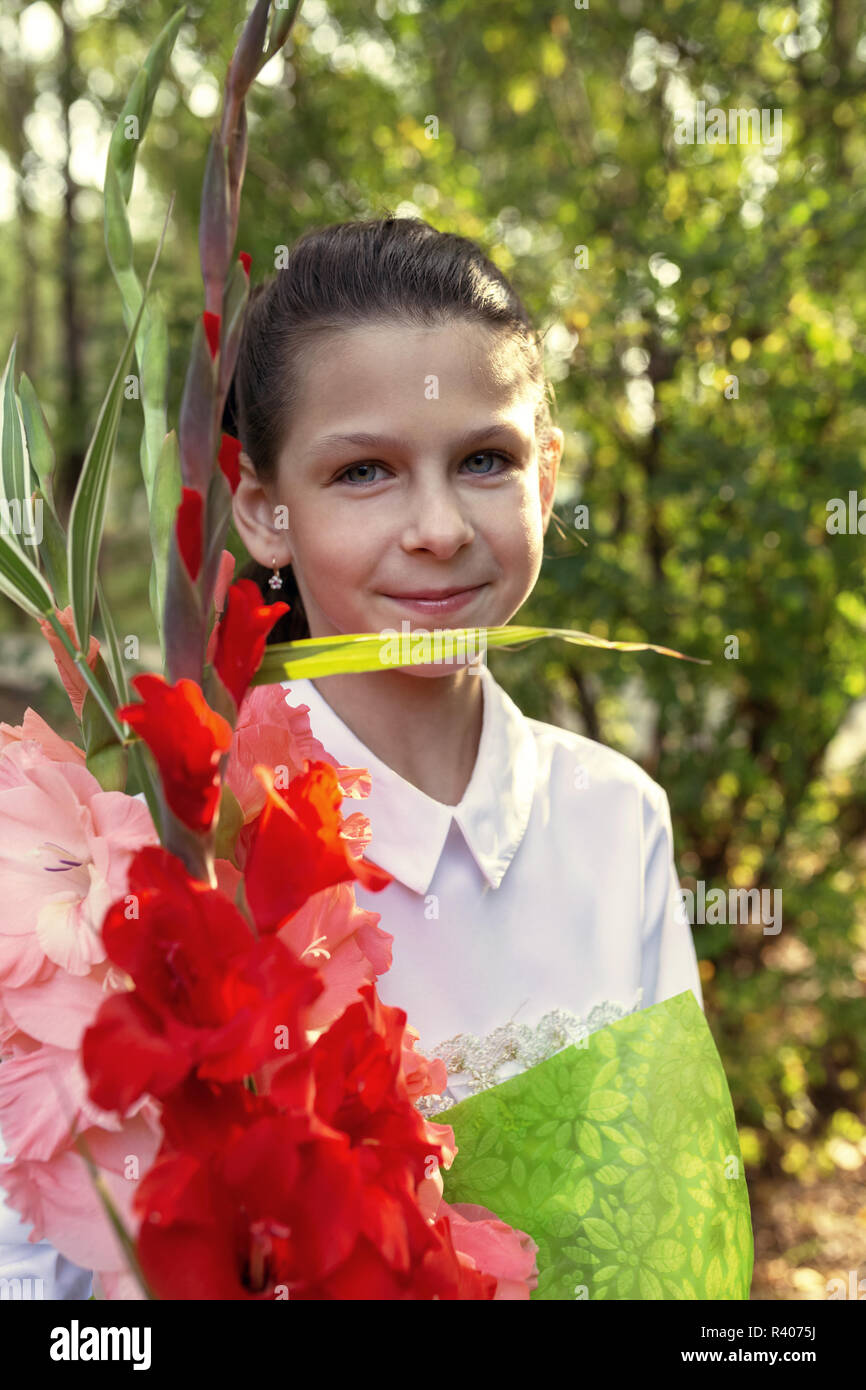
[[443, 601], [437, 593]]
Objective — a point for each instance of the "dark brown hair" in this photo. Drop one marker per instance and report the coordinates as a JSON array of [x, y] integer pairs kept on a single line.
[[347, 275]]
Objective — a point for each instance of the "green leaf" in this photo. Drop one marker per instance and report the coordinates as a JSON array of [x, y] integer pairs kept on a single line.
[[16, 460], [668, 1256], [87, 516], [38, 437], [151, 339], [487, 1141], [633, 1156], [229, 822], [540, 1184], [714, 1277], [589, 1141], [164, 502], [488, 1172], [601, 1233], [518, 1170], [649, 1285], [688, 1165], [21, 581], [52, 551], [365, 651], [606, 1105], [106, 758], [638, 1185], [610, 1174], [116, 666], [139, 103]]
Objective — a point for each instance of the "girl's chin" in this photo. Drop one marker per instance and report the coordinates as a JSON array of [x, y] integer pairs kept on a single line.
[[442, 669]]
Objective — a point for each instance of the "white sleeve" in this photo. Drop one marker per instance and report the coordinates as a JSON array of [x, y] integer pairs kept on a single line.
[[669, 963], [34, 1270]]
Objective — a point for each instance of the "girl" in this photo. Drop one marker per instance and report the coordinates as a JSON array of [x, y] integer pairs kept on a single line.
[[398, 473]]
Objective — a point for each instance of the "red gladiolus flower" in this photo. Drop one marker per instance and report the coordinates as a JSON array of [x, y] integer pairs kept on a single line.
[[438, 1274], [241, 636], [297, 848], [187, 739], [360, 1091], [246, 261], [201, 1117], [228, 456], [265, 1206], [266, 1211], [212, 331], [208, 995], [188, 528]]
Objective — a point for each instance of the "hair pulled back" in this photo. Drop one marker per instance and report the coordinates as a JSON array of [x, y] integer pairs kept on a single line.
[[346, 275]]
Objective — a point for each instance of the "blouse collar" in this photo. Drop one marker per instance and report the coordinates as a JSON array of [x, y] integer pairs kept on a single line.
[[409, 827]]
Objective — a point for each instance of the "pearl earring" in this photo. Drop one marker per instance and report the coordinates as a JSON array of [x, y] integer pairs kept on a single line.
[[276, 579]]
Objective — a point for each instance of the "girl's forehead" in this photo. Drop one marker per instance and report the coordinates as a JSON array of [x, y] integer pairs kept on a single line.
[[449, 361]]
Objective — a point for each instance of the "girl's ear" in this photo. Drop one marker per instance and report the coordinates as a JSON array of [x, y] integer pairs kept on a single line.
[[256, 518], [550, 453]]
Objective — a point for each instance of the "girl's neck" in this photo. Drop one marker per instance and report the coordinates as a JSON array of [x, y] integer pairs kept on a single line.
[[427, 729]]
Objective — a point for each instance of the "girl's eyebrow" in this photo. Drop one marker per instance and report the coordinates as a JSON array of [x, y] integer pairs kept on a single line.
[[377, 441]]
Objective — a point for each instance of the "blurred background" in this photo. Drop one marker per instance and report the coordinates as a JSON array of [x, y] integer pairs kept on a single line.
[[703, 307]]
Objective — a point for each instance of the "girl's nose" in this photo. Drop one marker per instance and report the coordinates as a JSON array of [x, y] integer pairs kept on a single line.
[[436, 521]]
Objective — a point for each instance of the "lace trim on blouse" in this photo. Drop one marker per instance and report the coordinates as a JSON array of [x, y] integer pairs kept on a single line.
[[475, 1064]]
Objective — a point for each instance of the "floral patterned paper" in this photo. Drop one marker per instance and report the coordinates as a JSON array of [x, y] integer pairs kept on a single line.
[[620, 1157]]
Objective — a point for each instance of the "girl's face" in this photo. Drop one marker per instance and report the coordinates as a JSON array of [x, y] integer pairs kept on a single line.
[[443, 493]]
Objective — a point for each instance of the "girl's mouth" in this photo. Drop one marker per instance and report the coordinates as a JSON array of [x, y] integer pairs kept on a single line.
[[437, 605]]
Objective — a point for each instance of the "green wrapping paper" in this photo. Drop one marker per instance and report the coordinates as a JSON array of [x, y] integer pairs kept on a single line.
[[620, 1157]]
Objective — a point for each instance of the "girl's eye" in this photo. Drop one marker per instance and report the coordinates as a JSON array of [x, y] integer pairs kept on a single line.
[[484, 453], [488, 454], [347, 471]]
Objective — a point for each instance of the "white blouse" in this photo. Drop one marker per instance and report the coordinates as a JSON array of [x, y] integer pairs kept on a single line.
[[542, 906]]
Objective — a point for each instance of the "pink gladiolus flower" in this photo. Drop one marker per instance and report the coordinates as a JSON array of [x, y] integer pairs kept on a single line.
[[424, 1076], [64, 852], [268, 730], [73, 681], [34, 728], [57, 1196], [486, 1243], [344, 942]]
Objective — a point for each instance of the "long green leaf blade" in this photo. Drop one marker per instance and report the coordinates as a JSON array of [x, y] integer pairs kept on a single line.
[[87, 516], [151, 346], [21, 581], [16, 485], [362, 651], [52, 550], [39, 444]]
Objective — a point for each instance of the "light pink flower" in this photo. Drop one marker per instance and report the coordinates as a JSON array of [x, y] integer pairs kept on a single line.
[[58, 1198], [486, 1243], [65, 848], [272, 731], [33, 727], [269, 731], [73, 681], [344, 942], [424, 1076]]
